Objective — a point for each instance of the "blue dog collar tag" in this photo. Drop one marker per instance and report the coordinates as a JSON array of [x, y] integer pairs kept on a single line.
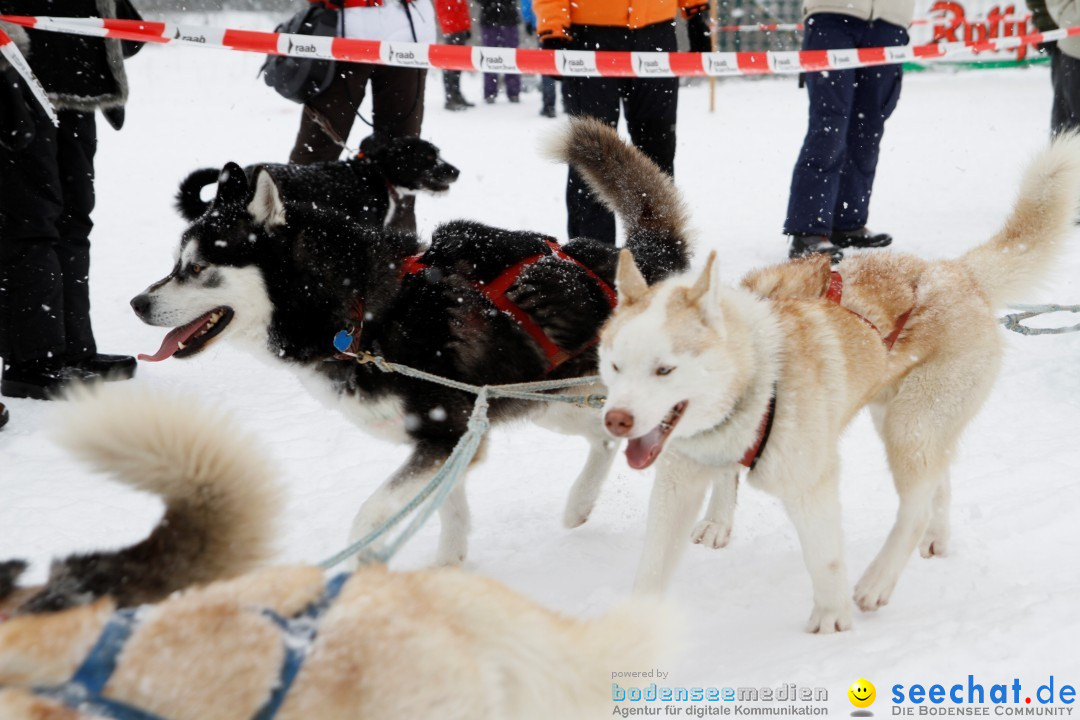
[[343, 341]]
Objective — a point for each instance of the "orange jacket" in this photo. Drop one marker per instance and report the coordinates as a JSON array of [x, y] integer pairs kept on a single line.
[[554, 17]]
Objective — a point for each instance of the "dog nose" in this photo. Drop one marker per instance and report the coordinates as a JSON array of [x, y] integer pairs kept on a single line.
[[452, 171], [141, 304], [619, 422]]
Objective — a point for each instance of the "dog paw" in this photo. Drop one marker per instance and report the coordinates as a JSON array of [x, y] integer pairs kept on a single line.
[[575, 516], [451, 554], [934, 545], [711, 534], [873, 591], [825, 620]]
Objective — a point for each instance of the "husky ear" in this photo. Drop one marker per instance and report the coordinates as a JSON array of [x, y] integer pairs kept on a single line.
[[629, 281], [706, 281], [232, 185], [266, 207]]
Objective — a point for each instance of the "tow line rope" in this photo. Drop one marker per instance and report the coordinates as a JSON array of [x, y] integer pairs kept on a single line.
[[1014, 321], [455, 466], [439, 487]]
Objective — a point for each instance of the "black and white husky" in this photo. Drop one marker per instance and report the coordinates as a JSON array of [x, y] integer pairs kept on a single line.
[[285, 278], [368, 188]]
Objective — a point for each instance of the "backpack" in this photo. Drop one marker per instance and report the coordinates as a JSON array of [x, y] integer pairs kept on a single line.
[[303, 79]]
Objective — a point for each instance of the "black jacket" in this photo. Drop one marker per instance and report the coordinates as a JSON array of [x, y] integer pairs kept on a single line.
[[78, 72]]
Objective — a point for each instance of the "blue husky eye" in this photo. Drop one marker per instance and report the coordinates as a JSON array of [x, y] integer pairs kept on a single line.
[[664, 370]]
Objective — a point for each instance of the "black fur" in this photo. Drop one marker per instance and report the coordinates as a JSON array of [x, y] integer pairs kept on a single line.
[[10, 571], [359, 188], [319, 266]]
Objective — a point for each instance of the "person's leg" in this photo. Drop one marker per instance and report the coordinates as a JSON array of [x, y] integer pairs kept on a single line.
[[652, 103], [598, 98], [490, 38], [397, 96], [336, 106], [452, 78], [1059, 107], [76, 146], [876, 92], [510, 38], [31, 291], [815, 181], [1065, 76], [547, 93]]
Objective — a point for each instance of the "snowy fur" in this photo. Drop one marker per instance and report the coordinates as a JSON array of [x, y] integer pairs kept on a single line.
[[218, 488], [429, 645], [720, 352]]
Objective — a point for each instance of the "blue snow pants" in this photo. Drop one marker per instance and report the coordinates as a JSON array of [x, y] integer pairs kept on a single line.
[[833, 177]]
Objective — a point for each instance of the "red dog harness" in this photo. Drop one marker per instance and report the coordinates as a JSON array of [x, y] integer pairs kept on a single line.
[[348, 341], [495, 291], [835, 294]]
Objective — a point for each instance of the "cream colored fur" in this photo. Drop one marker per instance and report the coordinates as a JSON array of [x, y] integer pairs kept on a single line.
[[436, 644], [217, 485], [196, 458], [431, 645], [730, 347]]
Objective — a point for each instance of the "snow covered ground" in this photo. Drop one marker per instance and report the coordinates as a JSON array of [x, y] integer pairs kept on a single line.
[[1003, 605]]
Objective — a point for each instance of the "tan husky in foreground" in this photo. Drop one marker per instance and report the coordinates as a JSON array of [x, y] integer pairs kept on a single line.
[[429, 645], [699, 375]]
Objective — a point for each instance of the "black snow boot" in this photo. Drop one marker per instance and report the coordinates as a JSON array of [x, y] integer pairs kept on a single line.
[[109, 367], [3, 421], [803, 245], [860, 238], [455, 101], [42, 381]]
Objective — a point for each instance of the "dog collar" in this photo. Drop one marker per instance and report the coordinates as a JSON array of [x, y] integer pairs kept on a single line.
[[754, 452], [83, 691]]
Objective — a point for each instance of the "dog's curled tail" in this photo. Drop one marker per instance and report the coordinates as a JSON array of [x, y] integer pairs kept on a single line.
[[635, 189], [221, 501], [1017, 259], [189, 200]]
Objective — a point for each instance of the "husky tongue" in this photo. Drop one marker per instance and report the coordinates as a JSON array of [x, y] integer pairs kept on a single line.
[[642, 452], [172, 341]]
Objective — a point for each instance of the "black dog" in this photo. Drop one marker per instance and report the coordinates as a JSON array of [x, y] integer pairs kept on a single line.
[[366, 188], [480, 305]]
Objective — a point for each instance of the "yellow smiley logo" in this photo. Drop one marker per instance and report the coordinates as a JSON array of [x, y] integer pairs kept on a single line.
[[862, 693]]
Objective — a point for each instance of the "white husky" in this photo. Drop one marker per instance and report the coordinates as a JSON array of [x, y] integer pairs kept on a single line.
[[702, 377]]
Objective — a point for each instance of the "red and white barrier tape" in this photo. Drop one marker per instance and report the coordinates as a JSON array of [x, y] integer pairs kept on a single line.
[[577, 63], [10, 51], [796, 27]]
